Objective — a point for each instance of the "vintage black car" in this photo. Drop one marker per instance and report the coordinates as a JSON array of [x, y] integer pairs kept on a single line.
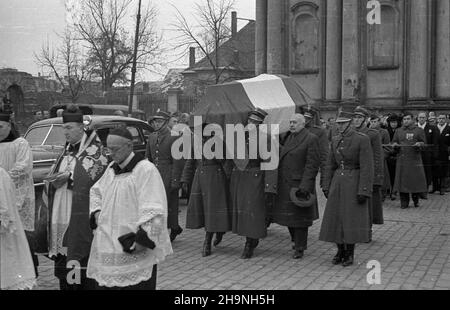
[[47, 140]]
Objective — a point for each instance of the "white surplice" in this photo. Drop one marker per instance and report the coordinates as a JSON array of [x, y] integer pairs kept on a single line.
[[17, 159], [16, 264], [127, 201]]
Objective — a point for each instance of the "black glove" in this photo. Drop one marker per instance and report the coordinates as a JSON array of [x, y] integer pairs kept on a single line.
[[326, 192], [92, 221], [143, 239], [270, 199], [127, 242], [362, 199], [302, 194]]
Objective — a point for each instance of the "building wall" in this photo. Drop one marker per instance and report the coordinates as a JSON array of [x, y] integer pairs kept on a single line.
[[330, 48]]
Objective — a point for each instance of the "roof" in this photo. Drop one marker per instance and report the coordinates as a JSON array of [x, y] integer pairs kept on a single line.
[[243, 42], [96, 119], [97, 106]]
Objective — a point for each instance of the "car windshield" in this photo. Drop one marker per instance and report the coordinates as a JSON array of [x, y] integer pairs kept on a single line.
[[37, 136], [56, 136]]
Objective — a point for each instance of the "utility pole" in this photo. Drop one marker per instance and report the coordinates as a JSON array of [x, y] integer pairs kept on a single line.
[[133, 69]]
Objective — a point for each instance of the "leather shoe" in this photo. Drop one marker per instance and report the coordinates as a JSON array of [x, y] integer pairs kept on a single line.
[[442, 193], [298, 254], [404, 207], [218, 239], [174, 233]]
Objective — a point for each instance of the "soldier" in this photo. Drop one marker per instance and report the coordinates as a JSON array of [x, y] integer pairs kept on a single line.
[[375, 203], [299, 165], [208, 205], [252, 194], [409, 175], [348, 188], [159, 152], [430, 152], [375, 123]]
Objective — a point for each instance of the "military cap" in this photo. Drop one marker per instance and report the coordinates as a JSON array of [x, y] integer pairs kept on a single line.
[[258, 115], [361, 111], [161, 115], [73, 115], [310, 112], [345, 115]]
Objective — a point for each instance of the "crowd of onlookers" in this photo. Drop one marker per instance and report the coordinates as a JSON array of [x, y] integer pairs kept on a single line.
[[435, 156]]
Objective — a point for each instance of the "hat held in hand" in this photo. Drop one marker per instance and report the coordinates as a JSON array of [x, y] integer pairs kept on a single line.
[[302, 199]]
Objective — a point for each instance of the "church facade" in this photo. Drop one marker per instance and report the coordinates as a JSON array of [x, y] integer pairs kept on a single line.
[[337, 55]]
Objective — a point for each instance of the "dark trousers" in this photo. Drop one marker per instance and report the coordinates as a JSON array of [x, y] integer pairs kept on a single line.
[[300, 237], [149, 285], [62, 273], [404, 198]]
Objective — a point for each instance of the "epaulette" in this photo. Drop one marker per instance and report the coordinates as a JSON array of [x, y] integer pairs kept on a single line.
[[361, 134]]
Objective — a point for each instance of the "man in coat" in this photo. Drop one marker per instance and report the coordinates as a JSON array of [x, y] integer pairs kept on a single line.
[[429, 153], [443, 154], [79, 167], [409, 174], [252, 193], [348, 188], [375, 123], [324, 148], [360, 118], [299, 165], [159, 152]]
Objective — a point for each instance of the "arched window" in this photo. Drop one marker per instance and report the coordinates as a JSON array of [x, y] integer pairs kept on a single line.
[[384, 39], [305, 38]]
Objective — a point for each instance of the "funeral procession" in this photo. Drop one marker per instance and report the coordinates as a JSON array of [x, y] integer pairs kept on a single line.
[[224, 145]]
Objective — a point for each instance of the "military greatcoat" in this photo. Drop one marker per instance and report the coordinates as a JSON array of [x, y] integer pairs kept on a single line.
[[349, 173]]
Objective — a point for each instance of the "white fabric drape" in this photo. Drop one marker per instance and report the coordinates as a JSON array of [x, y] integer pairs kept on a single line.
[[17, 159], [16, 265], [62, 208]]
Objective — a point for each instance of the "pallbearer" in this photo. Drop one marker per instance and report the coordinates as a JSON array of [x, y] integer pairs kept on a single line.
[[348, 187], [209, 205], [252, 193]]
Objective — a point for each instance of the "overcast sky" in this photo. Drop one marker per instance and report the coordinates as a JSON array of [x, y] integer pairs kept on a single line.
[[26, 24]]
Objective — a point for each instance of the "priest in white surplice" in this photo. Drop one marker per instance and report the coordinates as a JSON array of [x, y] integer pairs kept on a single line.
[[128, 209]]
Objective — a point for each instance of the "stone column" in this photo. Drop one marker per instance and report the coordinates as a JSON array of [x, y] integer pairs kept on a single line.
[[334, 50], [261, 37], [442, 86], [275, 37], [418, 52], [350, 49]]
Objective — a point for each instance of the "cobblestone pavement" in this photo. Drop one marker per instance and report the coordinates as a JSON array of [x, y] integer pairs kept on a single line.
[[413, 248]]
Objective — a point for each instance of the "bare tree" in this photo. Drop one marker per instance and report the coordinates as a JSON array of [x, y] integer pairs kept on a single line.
[[102, 26], [212, 18], [66, 63]]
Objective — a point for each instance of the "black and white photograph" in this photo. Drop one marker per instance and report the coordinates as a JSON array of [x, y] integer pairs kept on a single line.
[[224, 152]]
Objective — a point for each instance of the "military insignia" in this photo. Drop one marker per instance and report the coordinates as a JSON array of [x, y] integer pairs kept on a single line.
[[409, 136]]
